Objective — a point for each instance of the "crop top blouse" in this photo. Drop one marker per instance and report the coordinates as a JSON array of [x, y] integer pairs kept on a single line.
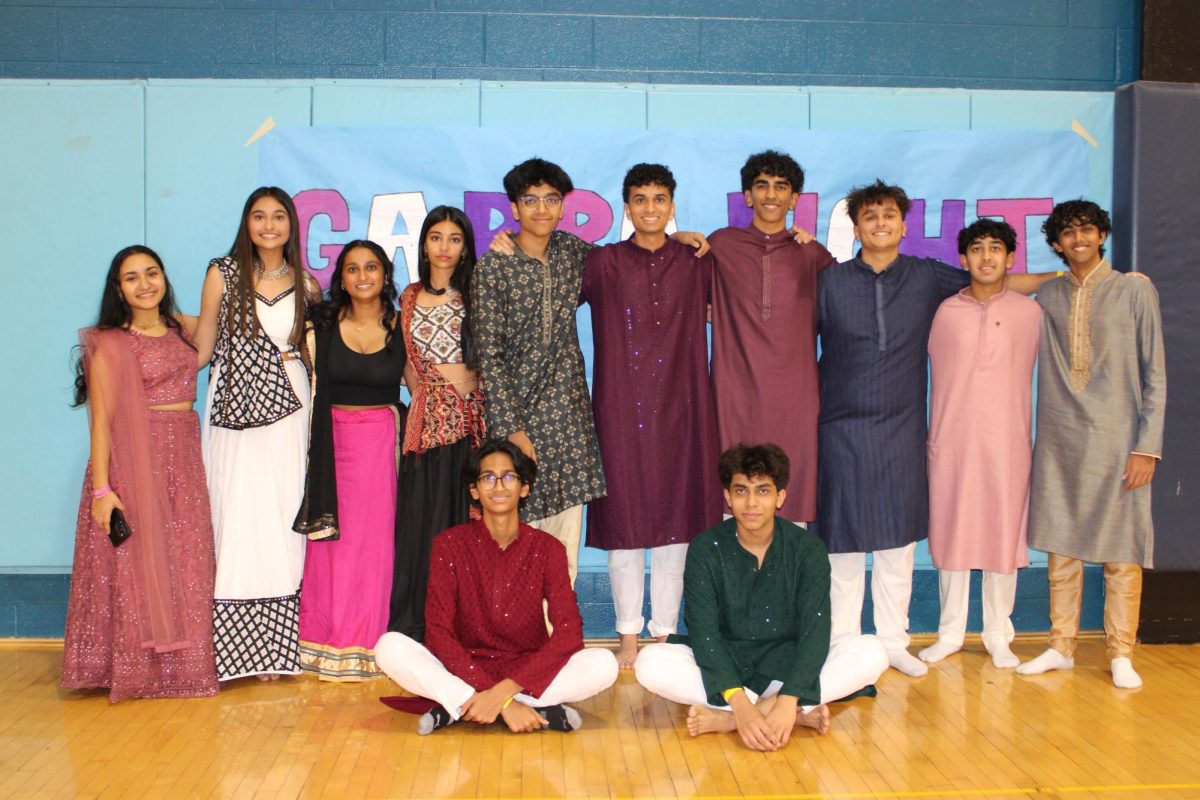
[[168, 366], [364, 379], [437, 331]]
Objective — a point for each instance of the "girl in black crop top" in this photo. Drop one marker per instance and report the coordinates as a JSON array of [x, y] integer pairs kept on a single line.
[[349, 508]]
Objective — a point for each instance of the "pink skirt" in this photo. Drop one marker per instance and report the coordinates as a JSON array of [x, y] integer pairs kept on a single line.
[[102, 646], [348, 582]]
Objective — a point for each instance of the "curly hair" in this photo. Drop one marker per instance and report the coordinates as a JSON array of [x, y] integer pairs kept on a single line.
[[875, 194], [535, 171], [984, 228], [766, 460], [1071, 213], [648, 175], [775, 164]]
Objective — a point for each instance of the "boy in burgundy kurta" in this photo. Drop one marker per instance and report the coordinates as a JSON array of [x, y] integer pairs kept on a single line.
[[764, 334], [486, 643], [653, 407], [982, 351]]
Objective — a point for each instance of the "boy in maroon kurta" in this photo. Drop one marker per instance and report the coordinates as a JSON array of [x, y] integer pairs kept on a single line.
[[653, 407], [487, 653], [764, 324]]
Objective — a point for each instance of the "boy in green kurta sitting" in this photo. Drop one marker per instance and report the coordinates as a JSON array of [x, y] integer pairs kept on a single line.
[[757, 659]]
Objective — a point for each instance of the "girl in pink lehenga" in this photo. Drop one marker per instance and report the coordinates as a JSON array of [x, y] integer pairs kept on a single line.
[[139, 622]]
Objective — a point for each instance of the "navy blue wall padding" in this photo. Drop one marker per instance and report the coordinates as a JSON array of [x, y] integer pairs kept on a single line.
[[1156, 179]]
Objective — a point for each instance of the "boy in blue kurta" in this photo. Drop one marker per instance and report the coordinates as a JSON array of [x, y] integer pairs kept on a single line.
[[757, 658], [875, 312]]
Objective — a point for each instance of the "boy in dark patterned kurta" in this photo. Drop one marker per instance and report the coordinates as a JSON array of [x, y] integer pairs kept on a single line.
[[523, 315]]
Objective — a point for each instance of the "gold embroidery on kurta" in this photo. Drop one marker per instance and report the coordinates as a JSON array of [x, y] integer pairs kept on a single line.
[[1079, 325]]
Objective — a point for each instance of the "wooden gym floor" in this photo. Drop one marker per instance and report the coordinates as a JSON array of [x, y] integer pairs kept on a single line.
[[966, 730]]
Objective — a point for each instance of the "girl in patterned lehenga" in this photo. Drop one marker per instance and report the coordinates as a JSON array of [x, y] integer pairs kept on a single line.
[[445, 420], [256, 436], [139, 622]]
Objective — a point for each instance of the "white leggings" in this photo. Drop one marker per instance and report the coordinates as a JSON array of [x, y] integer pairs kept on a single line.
[[891, 590], [999, 595], [670, 670], [418, 671], [627, 574]]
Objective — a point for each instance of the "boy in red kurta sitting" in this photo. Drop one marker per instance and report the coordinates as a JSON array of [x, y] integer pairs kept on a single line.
[[487, 653]]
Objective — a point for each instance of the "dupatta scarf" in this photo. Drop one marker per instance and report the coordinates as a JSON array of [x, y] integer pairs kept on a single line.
[[439, 414], [117, 395]]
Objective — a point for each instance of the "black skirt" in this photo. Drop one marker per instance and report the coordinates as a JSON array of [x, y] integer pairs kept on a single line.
[[433, 498]]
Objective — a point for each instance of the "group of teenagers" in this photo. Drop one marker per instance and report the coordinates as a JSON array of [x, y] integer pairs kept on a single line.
[[316, 523]]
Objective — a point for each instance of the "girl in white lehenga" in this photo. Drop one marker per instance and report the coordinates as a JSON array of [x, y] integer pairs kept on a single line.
[[256, 436]]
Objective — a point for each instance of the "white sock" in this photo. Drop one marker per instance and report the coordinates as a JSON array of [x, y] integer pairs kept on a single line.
[[1047, 661], [906, 662], [1124, 676], [939, 650], [1002, 656]]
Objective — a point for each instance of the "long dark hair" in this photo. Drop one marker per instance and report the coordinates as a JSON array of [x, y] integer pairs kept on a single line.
[[330, 312], [460, 281], [115, 313], [243, 251]]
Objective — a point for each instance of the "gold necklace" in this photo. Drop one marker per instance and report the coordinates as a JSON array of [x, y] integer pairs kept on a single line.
[[358, 327], [146, 327]]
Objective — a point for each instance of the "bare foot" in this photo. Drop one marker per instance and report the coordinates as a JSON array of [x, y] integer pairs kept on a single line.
[[817, 719], [627, 653], [701, 719]]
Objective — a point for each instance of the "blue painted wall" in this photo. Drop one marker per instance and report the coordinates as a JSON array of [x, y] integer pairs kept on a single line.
[[1009, 44], [90, 166]]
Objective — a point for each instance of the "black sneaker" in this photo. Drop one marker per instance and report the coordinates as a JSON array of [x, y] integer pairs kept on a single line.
[[561, 718], [434, 718]]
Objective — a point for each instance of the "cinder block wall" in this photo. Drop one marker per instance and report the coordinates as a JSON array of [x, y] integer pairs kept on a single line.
[[1013, 44]]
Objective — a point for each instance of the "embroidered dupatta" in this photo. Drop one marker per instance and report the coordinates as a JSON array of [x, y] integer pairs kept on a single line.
[[439, 414], [116, 393]]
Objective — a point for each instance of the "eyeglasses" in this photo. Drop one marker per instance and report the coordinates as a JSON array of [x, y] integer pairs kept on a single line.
[[531, 201], [488, 480]]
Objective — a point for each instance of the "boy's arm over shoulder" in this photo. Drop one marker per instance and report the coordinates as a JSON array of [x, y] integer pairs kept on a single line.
[[571, 242], [820, 255]]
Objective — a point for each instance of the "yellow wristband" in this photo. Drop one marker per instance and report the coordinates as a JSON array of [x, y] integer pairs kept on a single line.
[[728, 693], [507, 703]]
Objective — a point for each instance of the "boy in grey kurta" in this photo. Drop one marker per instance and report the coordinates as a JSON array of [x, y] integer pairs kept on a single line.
[[1101, 399]]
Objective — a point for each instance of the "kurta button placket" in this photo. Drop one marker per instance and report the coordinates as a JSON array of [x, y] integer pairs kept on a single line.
[[766, 286]]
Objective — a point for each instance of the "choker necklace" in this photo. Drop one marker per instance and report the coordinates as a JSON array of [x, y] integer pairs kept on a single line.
[[445, 289], [146, 326], [270, 275]]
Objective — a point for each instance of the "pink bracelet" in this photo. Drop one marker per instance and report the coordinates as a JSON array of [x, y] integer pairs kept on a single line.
[[103, 490]]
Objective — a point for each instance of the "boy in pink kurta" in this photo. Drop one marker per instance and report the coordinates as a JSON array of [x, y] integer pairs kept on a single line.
[[982, 351]]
